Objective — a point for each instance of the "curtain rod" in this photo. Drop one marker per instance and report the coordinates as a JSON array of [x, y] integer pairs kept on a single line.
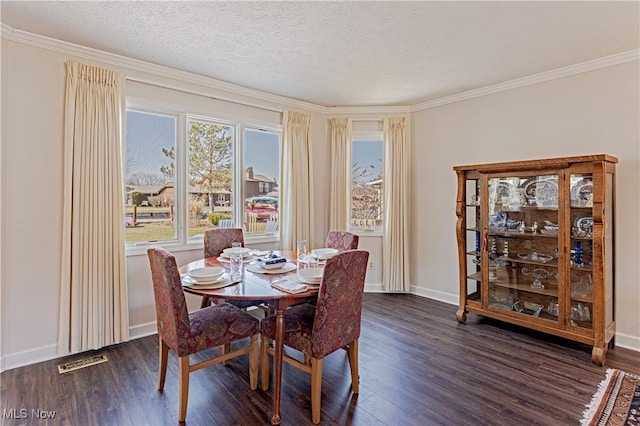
[[193, 92]]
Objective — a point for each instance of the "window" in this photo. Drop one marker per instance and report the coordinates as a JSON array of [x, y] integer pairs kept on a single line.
[[186, 173], [262, 161], [210, 173], [151, 140], [366, 184]]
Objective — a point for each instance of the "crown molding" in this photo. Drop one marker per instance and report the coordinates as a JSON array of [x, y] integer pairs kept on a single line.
[[376, 110], [154, 69], [271, 99], [595, 64], [6, 31]]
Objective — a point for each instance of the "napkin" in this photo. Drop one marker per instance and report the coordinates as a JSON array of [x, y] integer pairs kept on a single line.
[[290, 285]]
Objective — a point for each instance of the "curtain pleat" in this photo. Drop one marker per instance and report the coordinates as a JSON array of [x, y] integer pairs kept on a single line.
[[296, 184], [340, 174], [93, 303], [395, 241]]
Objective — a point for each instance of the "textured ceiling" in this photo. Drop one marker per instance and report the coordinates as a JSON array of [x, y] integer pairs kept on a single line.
[[344, 53]]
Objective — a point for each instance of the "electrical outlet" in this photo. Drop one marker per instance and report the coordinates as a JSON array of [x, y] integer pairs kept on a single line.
[[370, 265]]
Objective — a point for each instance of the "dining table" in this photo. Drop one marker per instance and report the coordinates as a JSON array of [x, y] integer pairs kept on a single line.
[[257, 286]]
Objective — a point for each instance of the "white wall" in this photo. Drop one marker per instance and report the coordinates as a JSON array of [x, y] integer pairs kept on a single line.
[[589, 113], [33, 84]]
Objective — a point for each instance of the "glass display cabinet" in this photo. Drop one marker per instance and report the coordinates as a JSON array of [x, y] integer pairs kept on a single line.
[[536, 246]]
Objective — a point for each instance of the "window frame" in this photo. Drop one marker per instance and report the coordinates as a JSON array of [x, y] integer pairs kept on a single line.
[[366, 136], [181, 180]]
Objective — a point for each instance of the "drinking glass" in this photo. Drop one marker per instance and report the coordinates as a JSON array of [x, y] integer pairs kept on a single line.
[[301, 245], [235, 260], [312, 260]]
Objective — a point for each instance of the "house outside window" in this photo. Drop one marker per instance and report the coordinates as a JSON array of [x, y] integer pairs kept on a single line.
[[366, 183], [178, 183], [151, 138], [261, 153]]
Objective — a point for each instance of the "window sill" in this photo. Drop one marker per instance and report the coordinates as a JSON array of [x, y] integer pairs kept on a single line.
[[363, 233], [140, 249]]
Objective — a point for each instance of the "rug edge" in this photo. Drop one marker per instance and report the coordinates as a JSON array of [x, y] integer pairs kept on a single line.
[[596, 399]]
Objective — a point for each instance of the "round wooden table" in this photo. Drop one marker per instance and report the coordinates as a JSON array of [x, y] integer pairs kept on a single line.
[[256, 286]]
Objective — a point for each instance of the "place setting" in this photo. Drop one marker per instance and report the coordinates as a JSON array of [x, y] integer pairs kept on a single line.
[[306, 278], [271, 263], [207, 278], [319, 255], [246, 253]]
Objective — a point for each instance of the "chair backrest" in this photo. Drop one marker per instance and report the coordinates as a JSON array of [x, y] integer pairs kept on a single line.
[[339, 305], [342, 240], [218, 239], [171, 306]]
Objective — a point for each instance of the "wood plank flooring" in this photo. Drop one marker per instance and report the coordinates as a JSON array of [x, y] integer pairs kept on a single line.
[[418, 366]]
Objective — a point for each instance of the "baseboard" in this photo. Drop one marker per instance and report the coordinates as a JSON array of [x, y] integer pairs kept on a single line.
[[623, 340], [49, 352], [628, 342], [451, 299], [31, 356], [143, 330], [372, 288]]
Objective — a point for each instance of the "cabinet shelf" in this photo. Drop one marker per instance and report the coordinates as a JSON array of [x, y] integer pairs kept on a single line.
[[557, 191]]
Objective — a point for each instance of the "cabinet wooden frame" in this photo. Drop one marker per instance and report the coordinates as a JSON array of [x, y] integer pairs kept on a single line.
[[589, 318]]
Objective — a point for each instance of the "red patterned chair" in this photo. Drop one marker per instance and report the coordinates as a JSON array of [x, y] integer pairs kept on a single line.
[[187, 334], [317, 331], [342, 240], [218, 239], [215, 241]]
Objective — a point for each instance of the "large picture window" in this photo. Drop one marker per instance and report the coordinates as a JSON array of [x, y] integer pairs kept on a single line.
[[210, 198], [149, 157], [366, 184], [212, 173], [262, 163]]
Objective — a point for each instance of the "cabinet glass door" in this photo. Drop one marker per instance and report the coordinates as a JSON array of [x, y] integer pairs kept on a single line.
[[523, 232], [473, 236], [582, 280]]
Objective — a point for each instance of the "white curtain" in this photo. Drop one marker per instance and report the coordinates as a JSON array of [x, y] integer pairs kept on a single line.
[[296, 186], [340, 174], [395, 242], [93, 302]]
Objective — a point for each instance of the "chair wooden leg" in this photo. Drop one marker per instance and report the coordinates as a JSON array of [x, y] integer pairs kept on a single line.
[[162, 363], [353, 363], [253, 362], [264, 362], [206, 301], [226, 348], [316, 389], [184, 387]]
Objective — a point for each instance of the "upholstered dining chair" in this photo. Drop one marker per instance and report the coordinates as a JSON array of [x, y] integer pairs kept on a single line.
[[317, 331], [218, 239], [215, 241], [186, 334], [342, 240]]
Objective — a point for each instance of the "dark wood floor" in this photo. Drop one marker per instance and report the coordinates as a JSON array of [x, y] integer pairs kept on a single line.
[[418, 366]]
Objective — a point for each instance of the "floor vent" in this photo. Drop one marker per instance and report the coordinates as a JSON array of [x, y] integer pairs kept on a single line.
[[81, 363]]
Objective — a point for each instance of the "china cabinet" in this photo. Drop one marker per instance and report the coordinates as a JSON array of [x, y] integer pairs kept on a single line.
[[536, 246]]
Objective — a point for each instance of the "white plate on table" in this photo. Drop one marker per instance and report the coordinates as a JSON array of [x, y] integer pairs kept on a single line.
[[245, 251], [310, 275], [325, 253], [205, 275], [228, 259], [189, 281], [257, 269]]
